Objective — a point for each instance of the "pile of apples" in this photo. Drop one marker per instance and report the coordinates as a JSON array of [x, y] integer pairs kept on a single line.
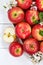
[[28, 27]]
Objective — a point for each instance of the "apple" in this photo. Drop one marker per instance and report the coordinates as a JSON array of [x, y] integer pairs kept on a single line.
[[23, 30], [32, 16], [15, 15], [41, 47], [39, 4], [9, 35], [31, 46], [37, 32], [16, 49], [24, 4]]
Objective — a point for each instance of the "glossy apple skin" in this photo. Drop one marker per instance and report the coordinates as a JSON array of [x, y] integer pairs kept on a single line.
[[35, 32], [41, 47], [15, 15], [31, 42], [24, 4], [39, 4], [29, 16], [23, 30], [13, 49]]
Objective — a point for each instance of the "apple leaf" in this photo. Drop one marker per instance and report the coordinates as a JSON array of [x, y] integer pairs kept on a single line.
[[41, 32], [41, 16], [36, 21]]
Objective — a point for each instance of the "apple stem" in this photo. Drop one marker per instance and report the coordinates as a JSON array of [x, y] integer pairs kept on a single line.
[[4, 6]]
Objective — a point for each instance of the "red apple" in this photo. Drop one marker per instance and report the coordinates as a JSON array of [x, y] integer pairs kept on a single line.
[[16, 49], [24, 4], [37, 32], [41, 47], [39, 4], [23, 30], [32, 16], [31, 46], [15, 15]]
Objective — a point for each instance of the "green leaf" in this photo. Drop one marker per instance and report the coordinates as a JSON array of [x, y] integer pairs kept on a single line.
[[41, 32], [36, 21], [41, 16]]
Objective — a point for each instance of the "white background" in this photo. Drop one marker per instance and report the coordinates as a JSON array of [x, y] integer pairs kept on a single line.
[[5, 57]]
